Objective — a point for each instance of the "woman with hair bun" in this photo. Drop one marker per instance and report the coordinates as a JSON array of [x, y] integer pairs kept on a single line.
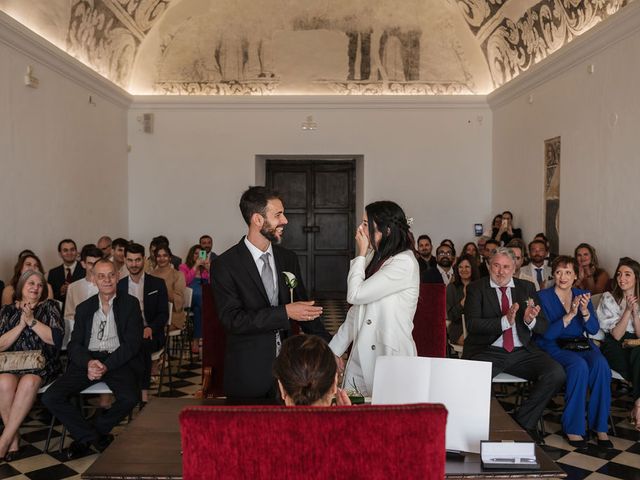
[[383, 286], [307, 373]]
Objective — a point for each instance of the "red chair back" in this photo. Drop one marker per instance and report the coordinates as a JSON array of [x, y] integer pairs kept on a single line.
[[429, 322], [213, 346], [372, 442]]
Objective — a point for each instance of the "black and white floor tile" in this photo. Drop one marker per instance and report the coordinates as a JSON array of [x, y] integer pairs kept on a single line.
[[623, 462]]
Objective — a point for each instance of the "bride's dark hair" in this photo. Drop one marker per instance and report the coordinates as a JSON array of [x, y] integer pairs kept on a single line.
[[389, 219]]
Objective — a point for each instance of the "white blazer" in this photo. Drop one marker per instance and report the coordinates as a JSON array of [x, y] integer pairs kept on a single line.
[[380, 321]]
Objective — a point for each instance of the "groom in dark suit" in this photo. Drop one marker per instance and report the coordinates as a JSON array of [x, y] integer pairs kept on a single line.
[[253, 301], [502, 313]]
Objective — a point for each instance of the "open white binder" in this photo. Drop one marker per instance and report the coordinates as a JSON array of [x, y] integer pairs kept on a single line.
[[463, 386]]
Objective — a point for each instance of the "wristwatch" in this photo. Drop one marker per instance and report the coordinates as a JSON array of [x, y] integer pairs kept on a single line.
[[33, 323]]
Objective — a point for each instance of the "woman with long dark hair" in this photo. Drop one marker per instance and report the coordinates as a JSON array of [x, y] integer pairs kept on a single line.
[[464, 272], [619, 316], [590, 276], [383, 286]]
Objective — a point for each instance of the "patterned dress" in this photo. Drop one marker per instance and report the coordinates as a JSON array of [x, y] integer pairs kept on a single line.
[[48, 313]]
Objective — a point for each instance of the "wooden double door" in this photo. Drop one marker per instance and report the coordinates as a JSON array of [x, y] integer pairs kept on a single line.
[[319, 201]]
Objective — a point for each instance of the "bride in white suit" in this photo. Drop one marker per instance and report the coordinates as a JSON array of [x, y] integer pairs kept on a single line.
[[383, 286]]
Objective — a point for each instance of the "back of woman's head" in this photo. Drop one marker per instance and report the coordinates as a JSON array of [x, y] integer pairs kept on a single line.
[[306, 368], [635, 268], [392, 223]]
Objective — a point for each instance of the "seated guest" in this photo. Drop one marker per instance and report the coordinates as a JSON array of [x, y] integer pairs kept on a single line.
[[196, 274], [105, 244], [175, 282], [506, 231], [448, 241], [206, 244], [619, 318], [482, 243], [118, 246], [490, 248], [571, 317], [495, 225], [425, 259], [307, 373], [151, 293], [26, 261], [501, 319], [84, 288], [150, 262], [104, 346], [443, 273], [518, 248], [590, 276], [64, 275], [31, 323], [471, 249], [464, 272], [537, 271], [551, 256]]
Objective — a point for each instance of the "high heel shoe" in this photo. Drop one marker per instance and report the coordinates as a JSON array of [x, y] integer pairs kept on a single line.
[[12, 455], [582, 443]]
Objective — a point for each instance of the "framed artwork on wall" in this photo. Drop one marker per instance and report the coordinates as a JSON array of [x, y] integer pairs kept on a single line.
[[552, 192]]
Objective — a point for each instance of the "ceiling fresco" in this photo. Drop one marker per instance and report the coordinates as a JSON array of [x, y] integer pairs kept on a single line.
[[276, 47]]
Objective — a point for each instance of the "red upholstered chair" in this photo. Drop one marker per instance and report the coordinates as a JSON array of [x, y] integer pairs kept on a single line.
[[429, 322], [369, 442], [213, 346]]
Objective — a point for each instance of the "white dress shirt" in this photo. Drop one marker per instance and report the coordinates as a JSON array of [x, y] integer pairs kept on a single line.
[[256, 253], [105, 323], [137, 290], [505, 323], [446, 276]]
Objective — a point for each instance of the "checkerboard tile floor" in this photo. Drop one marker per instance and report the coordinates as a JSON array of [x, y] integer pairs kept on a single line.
[[623, 462]]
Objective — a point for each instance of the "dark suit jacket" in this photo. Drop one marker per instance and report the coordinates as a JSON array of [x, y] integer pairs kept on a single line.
[[56, 279], [431, 275], [249, 319], [126, 311], [483, 313], [156, 303]]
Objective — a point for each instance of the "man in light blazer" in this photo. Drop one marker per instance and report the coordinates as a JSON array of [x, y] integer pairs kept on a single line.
[[537, 271], [253, 301], [502, 313], [152, 295], [105, 346]]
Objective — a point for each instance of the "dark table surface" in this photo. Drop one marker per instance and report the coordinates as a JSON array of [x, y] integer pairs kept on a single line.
[[149, 448]]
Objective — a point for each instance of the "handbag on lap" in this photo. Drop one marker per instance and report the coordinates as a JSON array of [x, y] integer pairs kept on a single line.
[[25, 360]]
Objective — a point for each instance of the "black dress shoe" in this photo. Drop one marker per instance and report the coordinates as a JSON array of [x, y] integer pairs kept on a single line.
[[607, 444], [576, 443], [12, 456], [103, 442], [77, 450]]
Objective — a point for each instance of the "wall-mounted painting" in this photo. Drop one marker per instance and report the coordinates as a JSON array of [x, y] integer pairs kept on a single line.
[[552, 191]]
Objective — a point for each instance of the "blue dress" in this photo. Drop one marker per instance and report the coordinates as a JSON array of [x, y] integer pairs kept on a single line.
[[585, 370]]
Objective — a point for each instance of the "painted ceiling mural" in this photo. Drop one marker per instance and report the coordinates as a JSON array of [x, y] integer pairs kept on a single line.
[[350, 47]]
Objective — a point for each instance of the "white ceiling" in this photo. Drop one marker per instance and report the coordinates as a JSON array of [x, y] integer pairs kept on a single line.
[[266, 47]]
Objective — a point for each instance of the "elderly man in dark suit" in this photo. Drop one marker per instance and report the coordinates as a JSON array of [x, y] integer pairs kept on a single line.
[[253, 301], [502, 313], [104, 346]]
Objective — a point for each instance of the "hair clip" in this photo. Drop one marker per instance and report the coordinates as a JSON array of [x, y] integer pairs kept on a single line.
[[410, 221]]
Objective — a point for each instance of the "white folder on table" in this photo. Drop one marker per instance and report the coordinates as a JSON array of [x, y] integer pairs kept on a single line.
[[462, 386]]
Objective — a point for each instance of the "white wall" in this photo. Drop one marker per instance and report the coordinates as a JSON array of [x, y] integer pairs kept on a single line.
[[600, 164], [63, 162], [432, 156]]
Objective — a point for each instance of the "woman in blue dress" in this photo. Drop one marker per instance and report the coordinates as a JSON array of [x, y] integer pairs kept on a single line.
[[571, 317]]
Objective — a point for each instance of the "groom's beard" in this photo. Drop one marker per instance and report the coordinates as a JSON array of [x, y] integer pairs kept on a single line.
[[269, 232]]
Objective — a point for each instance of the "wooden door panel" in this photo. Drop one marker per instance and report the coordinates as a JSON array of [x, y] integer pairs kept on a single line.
[[292, 186], [294, 237], [332, 190], [333, 231]]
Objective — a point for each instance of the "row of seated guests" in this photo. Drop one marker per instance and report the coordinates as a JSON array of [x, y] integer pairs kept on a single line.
[[531, 334], [37, 324]]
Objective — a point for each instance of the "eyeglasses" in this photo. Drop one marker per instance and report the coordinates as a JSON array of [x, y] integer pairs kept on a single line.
[[445, 254], [101, 329]]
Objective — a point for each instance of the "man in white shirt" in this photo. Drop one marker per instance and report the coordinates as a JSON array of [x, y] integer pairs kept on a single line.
[[537, 272], [104, 346], [502, 313]]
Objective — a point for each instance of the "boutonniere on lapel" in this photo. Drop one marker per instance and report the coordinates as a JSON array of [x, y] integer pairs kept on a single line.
[[291, 282]]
